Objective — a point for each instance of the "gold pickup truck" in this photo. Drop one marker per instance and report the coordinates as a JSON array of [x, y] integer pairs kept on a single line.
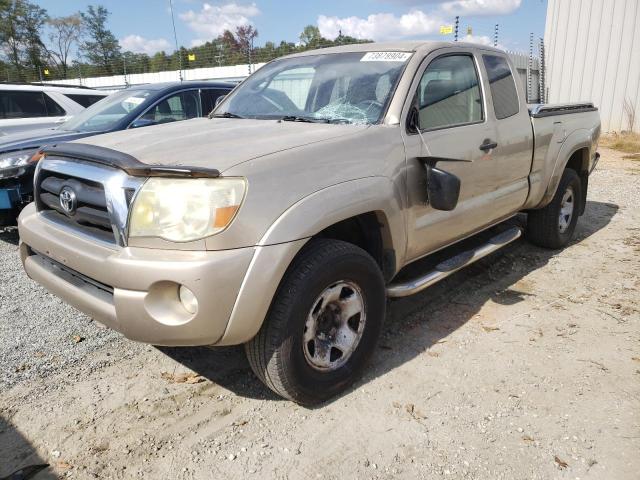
[[283, 220]]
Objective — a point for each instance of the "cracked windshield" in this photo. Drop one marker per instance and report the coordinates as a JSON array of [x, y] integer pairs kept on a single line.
[[333, 88]]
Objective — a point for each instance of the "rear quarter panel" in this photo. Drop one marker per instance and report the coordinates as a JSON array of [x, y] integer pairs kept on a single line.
[[557, 138]]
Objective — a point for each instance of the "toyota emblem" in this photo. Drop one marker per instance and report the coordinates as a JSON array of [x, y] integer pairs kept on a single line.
[[68, 200]]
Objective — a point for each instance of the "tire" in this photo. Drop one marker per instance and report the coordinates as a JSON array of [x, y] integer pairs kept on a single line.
[[283, 356], [547, 227]]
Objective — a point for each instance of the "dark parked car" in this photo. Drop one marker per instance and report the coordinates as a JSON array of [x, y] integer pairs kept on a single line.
[[135, 107]]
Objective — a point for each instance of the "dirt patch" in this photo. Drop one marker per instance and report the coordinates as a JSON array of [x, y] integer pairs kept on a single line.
[[525, 365]]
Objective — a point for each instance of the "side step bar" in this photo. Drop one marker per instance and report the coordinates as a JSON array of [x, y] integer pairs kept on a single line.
[[453, 264]]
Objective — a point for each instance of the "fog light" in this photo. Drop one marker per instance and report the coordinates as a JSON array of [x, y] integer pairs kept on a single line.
[[188, 300]]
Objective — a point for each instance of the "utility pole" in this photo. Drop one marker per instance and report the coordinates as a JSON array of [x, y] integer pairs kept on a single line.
[[175, 38], [124, 64], [495, 36], [530, 70], [542, 72], [456, 30]]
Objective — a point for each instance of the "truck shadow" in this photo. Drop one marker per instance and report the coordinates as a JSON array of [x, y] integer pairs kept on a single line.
[[414, 324], [18, 458]]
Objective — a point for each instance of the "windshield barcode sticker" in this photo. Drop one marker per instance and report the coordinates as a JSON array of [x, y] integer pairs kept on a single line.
[[386, 57]]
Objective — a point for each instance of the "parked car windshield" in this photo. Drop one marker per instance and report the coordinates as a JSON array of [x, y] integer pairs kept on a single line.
[[106, 113], [336, 88]]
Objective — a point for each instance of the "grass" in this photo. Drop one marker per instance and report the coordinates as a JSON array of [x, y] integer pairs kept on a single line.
[[623, 142]]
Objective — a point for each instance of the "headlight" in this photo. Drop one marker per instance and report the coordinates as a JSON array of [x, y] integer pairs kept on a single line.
[[185, 209], [11, 162]]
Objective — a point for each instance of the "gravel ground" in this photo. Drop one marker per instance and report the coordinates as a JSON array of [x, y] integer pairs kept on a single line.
[[40, 334], [525, 365]]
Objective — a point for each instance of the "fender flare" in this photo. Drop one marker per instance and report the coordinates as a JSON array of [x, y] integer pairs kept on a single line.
[[578, 140], [291, 231], [323, 208]]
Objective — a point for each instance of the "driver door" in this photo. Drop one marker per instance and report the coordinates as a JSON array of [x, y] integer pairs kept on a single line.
[[452, 110]]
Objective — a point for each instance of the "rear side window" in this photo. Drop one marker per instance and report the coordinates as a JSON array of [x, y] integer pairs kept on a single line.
[[503, 86], [53, 109], [17, 104], [449, 93], [84, 100], [209, 97]]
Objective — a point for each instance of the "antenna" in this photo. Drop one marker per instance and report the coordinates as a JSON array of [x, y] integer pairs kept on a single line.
[[175, 37], [456, 31], [495, 36]]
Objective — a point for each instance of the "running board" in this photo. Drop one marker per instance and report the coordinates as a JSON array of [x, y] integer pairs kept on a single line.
[[453, 264]]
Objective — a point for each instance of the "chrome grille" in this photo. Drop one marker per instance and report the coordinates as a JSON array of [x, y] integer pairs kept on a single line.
[[102, 197]]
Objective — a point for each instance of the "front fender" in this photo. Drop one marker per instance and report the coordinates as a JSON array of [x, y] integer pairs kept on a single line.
[[328, 206]]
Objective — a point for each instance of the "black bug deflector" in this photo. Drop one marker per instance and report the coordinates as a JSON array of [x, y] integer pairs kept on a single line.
[[131, 165]]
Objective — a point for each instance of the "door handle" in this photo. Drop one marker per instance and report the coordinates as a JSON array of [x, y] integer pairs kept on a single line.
[[488, 145]]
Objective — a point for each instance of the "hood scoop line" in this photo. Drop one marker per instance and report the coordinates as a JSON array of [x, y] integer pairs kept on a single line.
[[131, 165]]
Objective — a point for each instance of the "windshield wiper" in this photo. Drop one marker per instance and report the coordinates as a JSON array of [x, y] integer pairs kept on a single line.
[[225, 115], [296, 118]]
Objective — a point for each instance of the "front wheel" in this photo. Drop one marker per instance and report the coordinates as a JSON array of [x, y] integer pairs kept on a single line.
[[323, 324], [553, 225]]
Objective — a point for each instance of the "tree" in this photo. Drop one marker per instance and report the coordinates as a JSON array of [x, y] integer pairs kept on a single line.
[[100, 47], [64, 33], [20, 35], [310, 35], [245, 34]]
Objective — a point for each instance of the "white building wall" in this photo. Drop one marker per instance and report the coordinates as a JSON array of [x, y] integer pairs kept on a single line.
[[593, 54]]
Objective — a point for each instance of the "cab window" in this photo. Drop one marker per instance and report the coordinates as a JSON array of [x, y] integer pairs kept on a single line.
[[449, 93], [503, 86], [181, 106]]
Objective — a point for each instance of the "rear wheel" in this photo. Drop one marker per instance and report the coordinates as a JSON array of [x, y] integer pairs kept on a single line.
[[323, 324], [553, 226]]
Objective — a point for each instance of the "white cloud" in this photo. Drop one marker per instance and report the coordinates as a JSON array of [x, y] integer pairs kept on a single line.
[[481, 39], [480, 7], [380, 26], [213, 20], [138, 44]]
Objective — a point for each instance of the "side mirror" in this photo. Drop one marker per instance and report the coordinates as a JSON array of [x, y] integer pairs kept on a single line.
[[443, 189], [141, 122], [220, 99]]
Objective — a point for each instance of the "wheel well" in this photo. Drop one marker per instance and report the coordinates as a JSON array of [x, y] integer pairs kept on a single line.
[[579, 162], [368, 231]]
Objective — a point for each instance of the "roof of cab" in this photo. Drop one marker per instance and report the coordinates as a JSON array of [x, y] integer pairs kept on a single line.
[[399, 46]]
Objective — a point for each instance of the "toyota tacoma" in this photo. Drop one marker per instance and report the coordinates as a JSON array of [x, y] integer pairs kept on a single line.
[[286, 219]]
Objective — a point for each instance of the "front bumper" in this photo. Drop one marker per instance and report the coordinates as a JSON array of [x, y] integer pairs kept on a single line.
[[135, 290]]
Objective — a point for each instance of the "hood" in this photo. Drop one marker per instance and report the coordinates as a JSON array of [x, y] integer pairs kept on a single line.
[[37, 138], [218, 143]]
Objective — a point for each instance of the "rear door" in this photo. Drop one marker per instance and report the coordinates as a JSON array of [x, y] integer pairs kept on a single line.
[[454, 122]]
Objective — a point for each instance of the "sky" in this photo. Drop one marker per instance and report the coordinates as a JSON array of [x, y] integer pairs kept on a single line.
[[145, 25]]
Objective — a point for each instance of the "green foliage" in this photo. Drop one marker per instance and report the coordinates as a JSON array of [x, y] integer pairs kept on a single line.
[[101, 47], [20, 35]]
